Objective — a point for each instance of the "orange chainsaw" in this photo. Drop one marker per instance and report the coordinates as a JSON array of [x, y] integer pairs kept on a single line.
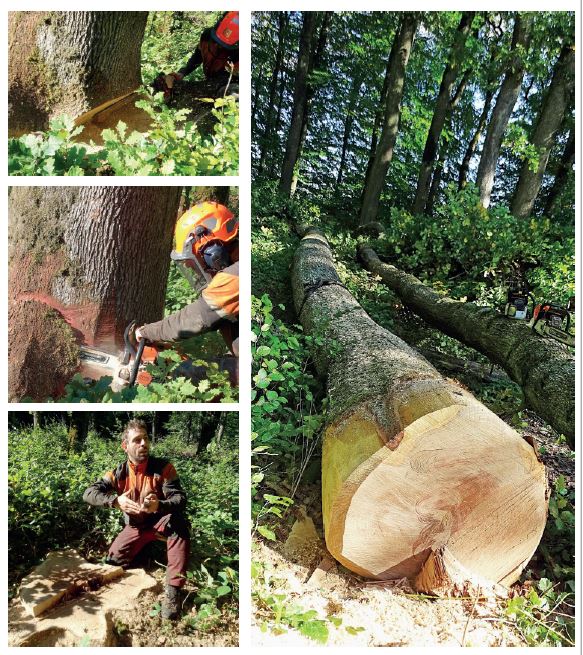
[[126, 369]]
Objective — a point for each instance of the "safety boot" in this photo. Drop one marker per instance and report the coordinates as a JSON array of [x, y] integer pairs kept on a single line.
[[171, 603]]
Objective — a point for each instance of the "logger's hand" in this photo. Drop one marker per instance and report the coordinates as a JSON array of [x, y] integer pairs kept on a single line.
[[127, 505], [138, 333], [151, 503]]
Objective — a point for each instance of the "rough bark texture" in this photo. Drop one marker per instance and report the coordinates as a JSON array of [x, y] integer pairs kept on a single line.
[[97, 256], [299, 103], [440, 112], [408, 457], [70, 62], [503, 109], [548, 122], [397, 64], [542, 367]]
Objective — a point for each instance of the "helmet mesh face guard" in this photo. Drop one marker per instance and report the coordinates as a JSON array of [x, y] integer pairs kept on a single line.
[[191, 267]]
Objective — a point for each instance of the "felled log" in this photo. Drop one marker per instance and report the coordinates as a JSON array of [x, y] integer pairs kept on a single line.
[[419, 479], [543, 368]]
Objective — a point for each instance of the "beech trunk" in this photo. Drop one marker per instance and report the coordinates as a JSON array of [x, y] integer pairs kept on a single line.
[[418, 478], [398, 60], [86, 261], [505, 102], [69, 62], [543, 368], [548, 122]]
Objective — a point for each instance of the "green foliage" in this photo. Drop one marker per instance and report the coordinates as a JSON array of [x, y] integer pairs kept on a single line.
[[279, 613], [46, 481], [286, 423], [166, 386], [173, 146]]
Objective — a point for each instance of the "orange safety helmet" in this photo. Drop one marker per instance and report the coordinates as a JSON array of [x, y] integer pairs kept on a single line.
[[205, 240], [226, 31]]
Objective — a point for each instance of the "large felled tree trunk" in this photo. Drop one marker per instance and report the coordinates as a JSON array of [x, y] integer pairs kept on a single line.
[[70, 62], [299, 103], [542, 367], [398, 59], [440, 112], [418, 478], [505, 102], [84, 262], [548, 122]]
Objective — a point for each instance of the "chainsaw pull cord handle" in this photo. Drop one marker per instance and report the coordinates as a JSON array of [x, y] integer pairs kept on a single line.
[[137, 362]]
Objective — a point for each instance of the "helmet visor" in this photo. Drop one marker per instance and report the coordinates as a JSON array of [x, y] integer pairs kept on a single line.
[[192, 270]]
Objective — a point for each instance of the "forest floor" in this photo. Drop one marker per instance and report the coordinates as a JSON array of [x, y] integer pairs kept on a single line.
[[376, 613]]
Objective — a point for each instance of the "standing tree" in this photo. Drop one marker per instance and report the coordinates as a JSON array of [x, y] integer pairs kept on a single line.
[[505, 102], [83, 263], [70, 62], [396, 81], [440, 113], [549, 121], [564, 167], [299, 102]]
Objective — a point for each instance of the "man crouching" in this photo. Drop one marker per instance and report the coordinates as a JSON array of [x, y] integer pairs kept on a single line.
[[147, 490]]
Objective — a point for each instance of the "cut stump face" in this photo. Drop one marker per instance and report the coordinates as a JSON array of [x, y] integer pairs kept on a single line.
[[452, 482]]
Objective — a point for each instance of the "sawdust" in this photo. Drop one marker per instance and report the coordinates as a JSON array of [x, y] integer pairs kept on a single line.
[[380, 614], [42, 352]]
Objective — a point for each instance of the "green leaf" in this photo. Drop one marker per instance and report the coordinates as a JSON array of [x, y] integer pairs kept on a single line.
[[316, 630], [266, 532]]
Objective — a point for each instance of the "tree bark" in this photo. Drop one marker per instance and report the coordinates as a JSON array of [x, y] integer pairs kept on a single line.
[[397, 63], [417, 475], [542, 367], [562, 174], [549, 120], [299, 102], [441, 110], [83, 263], [503, 109], [283, 20], [70, 62], [473, 144]]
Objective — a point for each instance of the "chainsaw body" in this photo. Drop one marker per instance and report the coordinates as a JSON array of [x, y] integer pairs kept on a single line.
[[517, 299], [126, 369], [552, 320]]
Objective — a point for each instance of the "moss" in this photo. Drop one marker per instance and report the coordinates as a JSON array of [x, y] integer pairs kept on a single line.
[[48, 86]]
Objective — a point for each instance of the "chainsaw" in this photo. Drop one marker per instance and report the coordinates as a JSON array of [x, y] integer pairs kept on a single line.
[[550, 319], [517, 297], [126, 369]]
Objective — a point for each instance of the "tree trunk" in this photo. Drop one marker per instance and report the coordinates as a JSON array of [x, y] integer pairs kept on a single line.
[[548, 122], [384, 153], [299, 103], [440, 113], [70, 62], [315, 63], [78, 429], [473, 144], [353, 96], [562, 174], [378, 121], [83, 263], [418, 477], [503, 109], [542, 367], [270, 117]]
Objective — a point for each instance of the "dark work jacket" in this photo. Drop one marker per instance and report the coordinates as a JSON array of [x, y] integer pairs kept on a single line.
[[216, 309], [212, 56], [156, 475]]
